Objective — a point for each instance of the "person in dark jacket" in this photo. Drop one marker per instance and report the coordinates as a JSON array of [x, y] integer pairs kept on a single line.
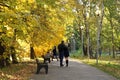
[[66, 54], [61, 52], [54, 53]]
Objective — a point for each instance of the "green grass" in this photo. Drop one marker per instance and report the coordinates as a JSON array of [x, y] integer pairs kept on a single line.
[[110, 68], [105, 63]]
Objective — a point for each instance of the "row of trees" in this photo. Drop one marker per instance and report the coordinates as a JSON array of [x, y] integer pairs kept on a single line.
[[31, 25], [96, 26], [38, 25]]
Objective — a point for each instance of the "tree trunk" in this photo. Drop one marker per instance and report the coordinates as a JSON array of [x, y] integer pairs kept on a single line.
[[13, 55], [2, 50], [32, 53], [12, 48], [85, 50], [99, 28], [87, 36], [7, 60], [113, 51]]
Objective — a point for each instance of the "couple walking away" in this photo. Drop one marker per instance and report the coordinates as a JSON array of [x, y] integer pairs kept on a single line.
[[63, 52]]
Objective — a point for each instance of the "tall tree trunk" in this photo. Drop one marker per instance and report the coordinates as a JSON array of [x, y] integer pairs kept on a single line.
[[87, 36], [86, 13], [13, 52], [99, 28], [98, 39], [101, 20], [82, 41], [113, 51]]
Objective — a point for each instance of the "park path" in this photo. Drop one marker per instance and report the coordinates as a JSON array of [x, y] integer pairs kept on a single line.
[[75, 71]]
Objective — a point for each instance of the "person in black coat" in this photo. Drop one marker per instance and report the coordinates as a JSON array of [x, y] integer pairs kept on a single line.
[[54, 53], [61, 52], [66, 54]]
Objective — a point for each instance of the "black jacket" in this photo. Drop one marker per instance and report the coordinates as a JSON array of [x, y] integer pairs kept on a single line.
[[61, 49], [66, 51]]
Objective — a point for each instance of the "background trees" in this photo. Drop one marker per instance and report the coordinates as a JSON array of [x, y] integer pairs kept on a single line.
[[42, 24], [99, 37]]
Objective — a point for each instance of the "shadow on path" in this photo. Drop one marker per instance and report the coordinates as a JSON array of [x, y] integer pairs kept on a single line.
[[75, 71]]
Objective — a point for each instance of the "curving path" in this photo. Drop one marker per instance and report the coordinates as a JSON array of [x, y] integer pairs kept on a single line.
[[75, 71]]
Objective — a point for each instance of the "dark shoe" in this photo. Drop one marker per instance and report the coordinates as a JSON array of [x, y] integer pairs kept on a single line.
[[66, 65], [61, 65], [36, 73]]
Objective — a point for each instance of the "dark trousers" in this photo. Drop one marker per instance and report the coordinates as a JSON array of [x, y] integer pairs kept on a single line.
[[61, 55], [61, 61]]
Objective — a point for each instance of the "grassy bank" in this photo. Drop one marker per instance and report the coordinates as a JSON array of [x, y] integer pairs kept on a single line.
[[105, 63], [21, 71]]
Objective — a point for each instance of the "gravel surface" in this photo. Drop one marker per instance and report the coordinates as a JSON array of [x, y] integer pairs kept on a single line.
[[75, 71]]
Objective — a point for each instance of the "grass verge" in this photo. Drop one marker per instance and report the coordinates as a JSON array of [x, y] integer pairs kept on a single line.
[[105, 63], [21, 71]]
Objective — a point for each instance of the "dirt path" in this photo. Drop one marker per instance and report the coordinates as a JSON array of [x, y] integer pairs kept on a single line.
[[75, 71]]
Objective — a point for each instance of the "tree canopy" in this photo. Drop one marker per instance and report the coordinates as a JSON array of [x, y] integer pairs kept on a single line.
[[43, 23]]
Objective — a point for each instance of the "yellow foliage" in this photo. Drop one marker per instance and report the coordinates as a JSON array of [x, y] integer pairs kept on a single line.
[[22, 0], [38, 22], [31, 1]]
